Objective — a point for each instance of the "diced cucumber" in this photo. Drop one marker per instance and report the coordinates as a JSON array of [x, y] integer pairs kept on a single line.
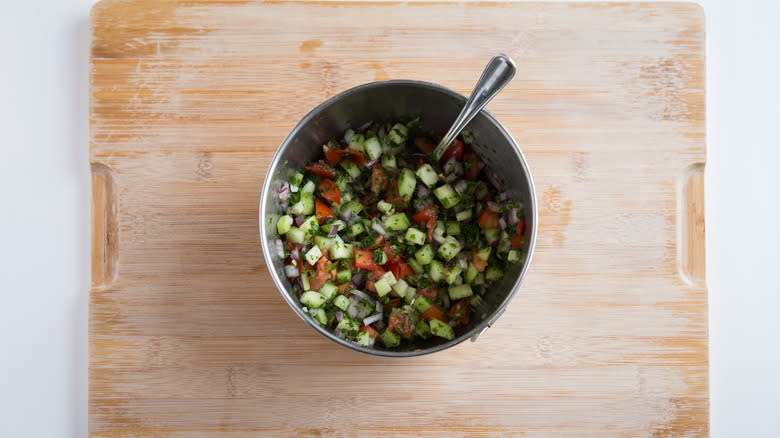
[[484, 253], [415, 236], [353, 206], [449, 249], [382, 287], [422, 304], [365, 340], [328, 290], [471, 273], [491, 234], [385, 207], [415, 265], [355, 230], [436, 270], [341, 302], [504, 244], [463, 215], [424, 255], [305, 280], [475, 301], [352, 169], [493, 273], [389, 277], [373, 147], [304, 206], [283, 224], [380, 258], [348, 326], [356, 142], [296, 235], [313, 255], [460, 291], [422, 329], [480, 279], [452, 274], [398, 133], [410, 293], [481, 191], [310, 226], [452, 228], [343, 276], [441, 329], [438, 230], [320, 316], [427, 175], [390, 339], [513, 256], [308, 187], [340, 251], [297, 179], [468, 136], [312, 299], [323, 242], [406, 184], [446, 196], [400, 288], [388, 161], [396, 222]]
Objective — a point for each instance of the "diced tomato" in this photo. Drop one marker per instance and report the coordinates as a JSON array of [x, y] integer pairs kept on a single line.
[[322, 169], [378, 272], [400, 269], [392, 195], [488, 219], [290, 246], [329, 191], [391, 304], [400, 323], [518, 240], [427, 216], [461, 311], [429, 292], [333, 155], [424, 145], [370, 286], [322, 211], [471, 165], [327, 267], [478, 262], [355, 157], [343, 288], [378, 179], [391, 251], [373, 334], [456, 149], [322, 275], [377, 242], [364, 259], [434, 312]]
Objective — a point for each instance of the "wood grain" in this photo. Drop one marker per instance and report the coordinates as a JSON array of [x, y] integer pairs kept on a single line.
[[188, 335]]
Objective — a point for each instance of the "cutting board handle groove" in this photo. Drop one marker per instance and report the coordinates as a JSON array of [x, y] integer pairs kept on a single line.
[[690, 208], [105, 241]]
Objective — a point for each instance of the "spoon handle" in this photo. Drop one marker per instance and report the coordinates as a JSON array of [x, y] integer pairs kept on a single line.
[[498, 72]]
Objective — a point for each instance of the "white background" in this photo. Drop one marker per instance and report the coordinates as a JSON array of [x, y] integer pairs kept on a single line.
[[44, 213]]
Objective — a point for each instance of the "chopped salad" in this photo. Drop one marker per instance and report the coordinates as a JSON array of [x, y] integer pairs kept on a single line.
[[383, 242]]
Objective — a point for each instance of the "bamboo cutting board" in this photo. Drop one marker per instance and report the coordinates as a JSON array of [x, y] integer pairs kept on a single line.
[[189, 336]]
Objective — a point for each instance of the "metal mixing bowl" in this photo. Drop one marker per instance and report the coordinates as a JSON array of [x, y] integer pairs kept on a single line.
[[437, 107]]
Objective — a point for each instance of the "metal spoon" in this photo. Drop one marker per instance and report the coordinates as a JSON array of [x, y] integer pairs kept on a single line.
[[498, 72]]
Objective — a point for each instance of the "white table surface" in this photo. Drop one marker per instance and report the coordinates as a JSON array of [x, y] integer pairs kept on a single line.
[[44, 231]]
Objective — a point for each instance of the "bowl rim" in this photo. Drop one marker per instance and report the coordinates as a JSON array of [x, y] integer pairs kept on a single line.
[[279, 282]]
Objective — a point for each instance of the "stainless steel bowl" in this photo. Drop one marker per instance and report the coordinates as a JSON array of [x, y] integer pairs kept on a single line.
[[437, 106]]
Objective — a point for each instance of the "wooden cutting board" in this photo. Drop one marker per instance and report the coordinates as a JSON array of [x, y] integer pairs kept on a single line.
[[189, 336]]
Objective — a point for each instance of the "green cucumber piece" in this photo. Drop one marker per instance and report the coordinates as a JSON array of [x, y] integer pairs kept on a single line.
[[415, 236], [446, 196], [390, 339], [388, 161], [436, 270], [328, 290], [396, 222], [340, 251], [422, 304], [398, 134], [385, 207], [493, 273], [484, 253], [415, 265], [313, 300], [355, 230], [422, 329], [313, 255], [452, 274], [341, 302], [463, 215], [449, 249], [356, 142], [283, 224], [373, 148], [406, 184], [343, 276], [296, 235], [427, 175], [452, 228], [460, 291], [441, 329], [424, 255]]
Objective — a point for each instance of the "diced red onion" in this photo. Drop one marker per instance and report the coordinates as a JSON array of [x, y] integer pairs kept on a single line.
[[339, 315], [376, 226], [333, 230], [449, 166], [365, 126], [284, 192], [493, 243], [358, 278], [382, 132], [291, 271], [338, 332], [346, 213], [355, 343], [348, 135], [502, 223], [371, 163], [298, 220], [294, 255], [372, 319], [279, 248], [422, 191], [503, 196], [514, 216], [461, 187], [362, 295], [494, 206]]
